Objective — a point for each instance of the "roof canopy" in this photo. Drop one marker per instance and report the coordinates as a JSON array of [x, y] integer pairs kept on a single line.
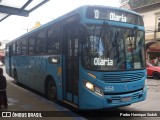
[[18, 7], [146, 8]]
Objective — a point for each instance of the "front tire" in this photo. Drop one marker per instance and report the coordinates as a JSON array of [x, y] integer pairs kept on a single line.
[[156, 75], [51, 90]]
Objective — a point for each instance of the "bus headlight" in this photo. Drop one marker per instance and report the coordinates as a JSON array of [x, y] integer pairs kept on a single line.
[[93, 88], [89, 86]]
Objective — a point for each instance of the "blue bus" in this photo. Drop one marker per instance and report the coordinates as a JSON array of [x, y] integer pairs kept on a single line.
[[91, 58]]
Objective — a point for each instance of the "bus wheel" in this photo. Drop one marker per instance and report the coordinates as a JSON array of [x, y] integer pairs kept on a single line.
[[51, 90], [15, 77], [156, 75]]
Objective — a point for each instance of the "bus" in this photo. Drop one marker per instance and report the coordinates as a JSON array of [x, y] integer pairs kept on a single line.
[[91, 58]]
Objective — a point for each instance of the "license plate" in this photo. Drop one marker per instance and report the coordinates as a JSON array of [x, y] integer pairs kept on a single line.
[[126, 99]]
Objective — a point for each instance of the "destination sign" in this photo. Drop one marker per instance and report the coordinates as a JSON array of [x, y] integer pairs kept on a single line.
[[102, 13], [111, 16]]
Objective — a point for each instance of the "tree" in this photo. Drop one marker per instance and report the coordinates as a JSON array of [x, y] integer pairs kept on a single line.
[[138, 3]]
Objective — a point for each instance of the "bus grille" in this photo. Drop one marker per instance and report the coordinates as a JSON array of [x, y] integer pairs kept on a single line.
[[119, 78]]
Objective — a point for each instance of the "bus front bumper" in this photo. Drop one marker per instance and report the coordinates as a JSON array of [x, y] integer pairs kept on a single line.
[[92, 101]]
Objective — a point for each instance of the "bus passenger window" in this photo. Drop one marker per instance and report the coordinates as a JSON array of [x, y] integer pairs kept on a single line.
[[14, 49], [24, 46], [41, 42], [19, 48], [53, 41], [32, 43]]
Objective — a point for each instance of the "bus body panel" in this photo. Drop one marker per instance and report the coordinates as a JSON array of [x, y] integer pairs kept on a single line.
[[21, 67], [115, 92], [37, 72], [55, 70], [32, 71], [120, 86], [88, 100]]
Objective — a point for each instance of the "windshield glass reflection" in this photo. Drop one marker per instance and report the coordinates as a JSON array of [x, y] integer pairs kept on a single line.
[[111, 48]]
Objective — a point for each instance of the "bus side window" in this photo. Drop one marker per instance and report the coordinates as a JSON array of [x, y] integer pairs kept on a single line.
[[41, 42], [53, 40], [18, 48], [14, 49], [32, 44], [24, 46]]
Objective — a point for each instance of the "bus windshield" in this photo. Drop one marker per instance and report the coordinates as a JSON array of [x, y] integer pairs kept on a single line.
[[111, 48]]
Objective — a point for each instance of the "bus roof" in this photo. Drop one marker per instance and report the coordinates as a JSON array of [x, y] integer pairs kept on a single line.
[[78, 10]]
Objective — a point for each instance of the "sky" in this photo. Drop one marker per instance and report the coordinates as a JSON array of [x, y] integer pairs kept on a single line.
[[15, 26]]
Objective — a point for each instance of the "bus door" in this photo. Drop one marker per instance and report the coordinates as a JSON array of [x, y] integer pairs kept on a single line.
[[71, 63]]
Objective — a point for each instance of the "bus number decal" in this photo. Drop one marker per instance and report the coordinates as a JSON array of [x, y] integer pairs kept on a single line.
[[109, 88]]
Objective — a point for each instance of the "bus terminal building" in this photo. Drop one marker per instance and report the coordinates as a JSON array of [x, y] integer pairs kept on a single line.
[[151, 17]]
